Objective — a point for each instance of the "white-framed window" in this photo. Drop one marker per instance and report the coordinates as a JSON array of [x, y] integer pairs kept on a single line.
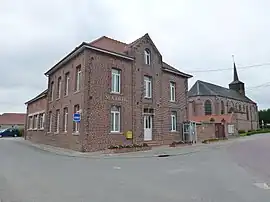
[[76, 125], [50, 121], [35, 122], [41, 118], [116, 81], [115, 119], [78, 78], [172, 91], [231, 129], [173, 121], [66, 84], [57, 121], [59, 83], [147, 56], [30, 122], [65, 119], [51, 90], [147, 87]]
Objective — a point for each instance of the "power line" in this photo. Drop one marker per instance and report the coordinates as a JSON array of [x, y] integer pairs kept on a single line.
[[242, 67], [267, 84]]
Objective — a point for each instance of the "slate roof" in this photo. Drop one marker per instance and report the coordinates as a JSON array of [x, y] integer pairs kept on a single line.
[[202, 88], [39, 96]]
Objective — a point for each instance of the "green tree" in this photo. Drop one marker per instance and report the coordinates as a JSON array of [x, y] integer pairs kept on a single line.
[[264, 115]]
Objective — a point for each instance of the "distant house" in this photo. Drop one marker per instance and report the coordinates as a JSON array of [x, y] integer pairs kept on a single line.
[[8, 120]]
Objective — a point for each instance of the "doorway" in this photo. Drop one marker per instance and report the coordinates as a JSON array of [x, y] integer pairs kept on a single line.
[[148, 125]]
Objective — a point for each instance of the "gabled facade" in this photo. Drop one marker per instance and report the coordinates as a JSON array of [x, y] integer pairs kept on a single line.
[[116, 87], [210, 99]]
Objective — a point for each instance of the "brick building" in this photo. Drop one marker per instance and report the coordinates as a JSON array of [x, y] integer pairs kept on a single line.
[[207, 100], [116, 87]]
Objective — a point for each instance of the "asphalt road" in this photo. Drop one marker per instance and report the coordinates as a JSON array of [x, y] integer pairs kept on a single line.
[[226, 174]]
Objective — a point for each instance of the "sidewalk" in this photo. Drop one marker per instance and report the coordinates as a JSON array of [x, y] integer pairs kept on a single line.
[[160, 151]]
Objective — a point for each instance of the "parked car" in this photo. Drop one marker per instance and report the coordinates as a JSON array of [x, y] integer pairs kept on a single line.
[[9, 132]]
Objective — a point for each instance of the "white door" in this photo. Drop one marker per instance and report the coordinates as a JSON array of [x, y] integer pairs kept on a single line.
[[147, 127]]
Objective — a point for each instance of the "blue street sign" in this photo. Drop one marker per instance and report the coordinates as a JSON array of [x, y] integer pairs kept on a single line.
[[76, 117]]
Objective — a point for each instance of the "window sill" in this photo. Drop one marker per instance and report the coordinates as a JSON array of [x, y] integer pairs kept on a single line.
[[174, 131], [172, 101], [116, 133], [116, 93], [148, 98], [57, 99], [56, 133], [66, 95], [41, 129], [77, 91]]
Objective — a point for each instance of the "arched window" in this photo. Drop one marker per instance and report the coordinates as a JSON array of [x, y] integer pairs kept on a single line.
[[147, 56], [207, 107], [240, 108], [247, 112], [222, 107], [194, 108], [244, 109]]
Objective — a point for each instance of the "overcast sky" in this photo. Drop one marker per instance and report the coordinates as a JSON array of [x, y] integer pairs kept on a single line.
[[192, 35]]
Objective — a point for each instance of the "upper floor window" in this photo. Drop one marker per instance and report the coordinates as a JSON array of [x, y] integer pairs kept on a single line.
[[51, 90], [147, 56], [41, 121], [78, 78], [172, 91], [147, 87], [58, 92], [222, 106], [207, 107], [66, 84], [116, 81], [240, 108]]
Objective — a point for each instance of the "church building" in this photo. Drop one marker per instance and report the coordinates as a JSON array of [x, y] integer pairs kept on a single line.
[[208, 100]]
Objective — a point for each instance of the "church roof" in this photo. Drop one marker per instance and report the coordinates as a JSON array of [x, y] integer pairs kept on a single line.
[[202, 88]]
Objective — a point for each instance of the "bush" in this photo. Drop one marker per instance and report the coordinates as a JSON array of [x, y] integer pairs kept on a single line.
[[241, 131], [21, 132], [128, 146], [258, 131]]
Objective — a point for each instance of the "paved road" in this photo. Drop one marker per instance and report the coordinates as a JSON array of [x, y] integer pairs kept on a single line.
[[216, 174]]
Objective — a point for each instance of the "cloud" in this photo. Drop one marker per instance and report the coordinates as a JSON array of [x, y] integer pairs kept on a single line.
[[191, 35]]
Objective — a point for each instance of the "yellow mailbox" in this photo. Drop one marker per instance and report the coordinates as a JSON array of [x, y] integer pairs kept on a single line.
[[129, 134]]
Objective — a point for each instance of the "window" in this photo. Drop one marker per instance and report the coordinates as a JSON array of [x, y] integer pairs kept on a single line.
[[240, 109], [116, 74], [57, 121], [30, 122], [147, 87], [50, 121], [66, 84], [173, 121], [58, 92], [65, 119], [222, 111], [76, 124], [41, 119], [172, 91], [207, 107], [51, 91], [247, 112], [147, 56], [115, 119], [194, 108], [78, 78], [35, 122]]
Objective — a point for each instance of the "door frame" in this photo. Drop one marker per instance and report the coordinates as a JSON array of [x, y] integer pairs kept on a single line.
[[147, 126]]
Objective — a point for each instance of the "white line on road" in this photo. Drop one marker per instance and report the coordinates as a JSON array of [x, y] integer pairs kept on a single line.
[[116, 167], [262, 185]]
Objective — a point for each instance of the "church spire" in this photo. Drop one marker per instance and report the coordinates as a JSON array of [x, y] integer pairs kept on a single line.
[[236, 84]]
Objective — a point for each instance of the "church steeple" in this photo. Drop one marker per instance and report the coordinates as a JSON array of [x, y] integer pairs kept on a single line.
[[236, 84]]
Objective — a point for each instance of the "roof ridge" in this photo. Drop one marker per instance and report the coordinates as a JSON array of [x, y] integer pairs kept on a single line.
[[209, 88], [102, 37], [115, 40]]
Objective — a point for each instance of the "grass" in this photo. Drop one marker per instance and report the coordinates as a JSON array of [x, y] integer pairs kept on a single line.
[[254, 132]]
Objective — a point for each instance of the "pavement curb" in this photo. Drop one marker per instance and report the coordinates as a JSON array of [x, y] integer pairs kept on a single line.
[[143, 154]]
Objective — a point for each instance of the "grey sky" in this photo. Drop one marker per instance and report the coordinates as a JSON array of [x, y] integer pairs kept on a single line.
[[192, 35]]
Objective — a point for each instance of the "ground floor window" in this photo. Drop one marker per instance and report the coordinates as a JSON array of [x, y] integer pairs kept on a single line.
[[65, 119], [50, 121], [173, 121], [57, 121], [115, 119], [76, 125]]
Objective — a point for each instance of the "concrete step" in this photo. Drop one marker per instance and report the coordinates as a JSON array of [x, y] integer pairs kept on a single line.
[[153, 143]]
